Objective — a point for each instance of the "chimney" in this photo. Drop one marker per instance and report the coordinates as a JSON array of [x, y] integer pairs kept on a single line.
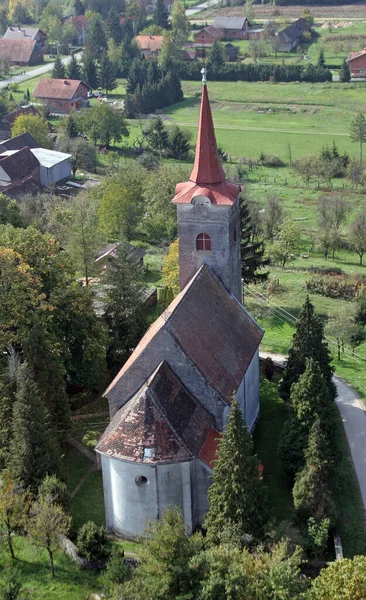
[[66, 82]]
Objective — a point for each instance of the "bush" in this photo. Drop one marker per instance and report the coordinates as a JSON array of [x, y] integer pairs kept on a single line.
[[55, 491], [337, 286], [117, 572], [271, 160], [92, 541], [317, 536]]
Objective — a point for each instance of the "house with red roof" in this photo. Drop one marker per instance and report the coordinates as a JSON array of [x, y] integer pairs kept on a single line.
[[207, 36], [62, 95], [170, 401], [150, 45], [357, 64]]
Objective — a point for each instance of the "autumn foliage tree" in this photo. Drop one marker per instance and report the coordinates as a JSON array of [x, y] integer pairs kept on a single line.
[[170, 269], [36, 126]]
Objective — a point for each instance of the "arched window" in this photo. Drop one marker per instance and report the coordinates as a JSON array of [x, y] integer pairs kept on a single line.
[[203, 242]]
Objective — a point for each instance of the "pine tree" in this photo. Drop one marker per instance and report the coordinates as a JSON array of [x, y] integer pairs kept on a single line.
[[161, 15], [89, 71], [216, 59], [71, 127], [179, 143], [45, 363], [321, 59], [107, 74], [73, 68], [157, 135], [236, 496], [58, 71], [97, 41], [34, 451], [312, 491], [113, 26], [252, 253], [307, 342], [125, 313], [344, 73], [7, 399], [79, 7]]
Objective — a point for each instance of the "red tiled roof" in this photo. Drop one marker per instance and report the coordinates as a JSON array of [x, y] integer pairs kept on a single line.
[[19, 164], [150, 42], [162, 418], [209, 449], [211, 30], [26, 110], [353, 55], [19, 33], [79, 22], [208, 177], [212, 329], [62, 89], [17, 50]]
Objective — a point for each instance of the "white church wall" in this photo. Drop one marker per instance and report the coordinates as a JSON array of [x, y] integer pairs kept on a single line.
[[248, 393], [136, 493], [202, 482]]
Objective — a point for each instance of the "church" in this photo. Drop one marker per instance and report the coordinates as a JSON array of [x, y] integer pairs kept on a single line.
[[170, 401]]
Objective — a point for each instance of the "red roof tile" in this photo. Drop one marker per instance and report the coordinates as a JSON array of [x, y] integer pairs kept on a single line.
[[150, 42], [353, 55], [163, 422], [19, 164], [17, 50], [63, 89], [209, 449], [208, 177], [213, 330]]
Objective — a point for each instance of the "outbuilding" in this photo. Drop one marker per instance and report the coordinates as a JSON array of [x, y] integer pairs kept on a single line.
[[54, 165]]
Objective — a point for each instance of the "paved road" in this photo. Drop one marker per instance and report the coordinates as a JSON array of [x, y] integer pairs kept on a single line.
[[353, 415], [196, 9], [34, 72]]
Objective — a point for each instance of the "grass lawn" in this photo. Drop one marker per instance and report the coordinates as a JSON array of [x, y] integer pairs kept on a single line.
[[75, 465], [70, 582], [266, 438], [88, 503]]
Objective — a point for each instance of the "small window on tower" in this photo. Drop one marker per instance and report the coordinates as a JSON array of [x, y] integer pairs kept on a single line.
[[203, 242]]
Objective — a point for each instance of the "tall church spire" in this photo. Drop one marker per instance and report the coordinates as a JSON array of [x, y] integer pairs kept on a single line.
[[207, 167]]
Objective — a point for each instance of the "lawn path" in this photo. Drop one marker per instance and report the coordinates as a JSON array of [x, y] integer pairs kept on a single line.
[[353, 415], [82, 449], [42, 70]]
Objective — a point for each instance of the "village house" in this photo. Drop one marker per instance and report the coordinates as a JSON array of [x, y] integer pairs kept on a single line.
[[235, 28], [26, 33], [23, 52], [19, 172], [107, 254], [357, 64], [171, 399], [207, 36], [7, 121], [150, 45], [62, 95], [290, 37]]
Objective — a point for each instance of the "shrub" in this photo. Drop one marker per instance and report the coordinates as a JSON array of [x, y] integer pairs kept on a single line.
[[92, 541], [317, 536], [337, 286], [271, 160], [117, 571], [55, 491]]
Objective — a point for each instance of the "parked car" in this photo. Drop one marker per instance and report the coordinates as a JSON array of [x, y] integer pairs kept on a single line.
[[91, 95]]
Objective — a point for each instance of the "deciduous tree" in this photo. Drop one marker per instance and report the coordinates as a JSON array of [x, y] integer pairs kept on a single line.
[[285, 244], [180, 23], [14, 505], [358, 236], [342, 579], [357, 131], [170, 269], [36, 126]]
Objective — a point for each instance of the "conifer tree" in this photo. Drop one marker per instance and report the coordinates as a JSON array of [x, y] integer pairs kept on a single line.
[[161, 15], [125, 313], [58, 71], [216, 59], [179, 143], [344, 73], [34, 450], [321, 59], [236, 496], [71, 127], [79, 7], [307, 342], [97, 41], [7, 399], [89, 71], [107, 74], [73, 68], [113, 26], [312, 490], [252, 253]]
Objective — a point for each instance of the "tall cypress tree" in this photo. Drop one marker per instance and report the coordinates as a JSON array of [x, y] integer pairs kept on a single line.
[[321, 59], [58, 70], [236, 496], [107, 74], [312, 491], [252, 253], [307, 342], [73, 69], [216, 59], [97, 41], [34, 451], [71, 127], [113, 26], [161, 15], [344, 73], [89, 71]]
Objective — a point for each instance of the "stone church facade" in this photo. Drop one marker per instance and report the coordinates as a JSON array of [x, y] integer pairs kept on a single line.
[[170, 401]]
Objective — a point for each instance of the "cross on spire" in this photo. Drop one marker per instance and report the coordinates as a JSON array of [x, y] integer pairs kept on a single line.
[[207, 167]]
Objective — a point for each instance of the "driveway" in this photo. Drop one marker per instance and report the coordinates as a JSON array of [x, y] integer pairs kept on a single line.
[[353, 415], [34, 72]]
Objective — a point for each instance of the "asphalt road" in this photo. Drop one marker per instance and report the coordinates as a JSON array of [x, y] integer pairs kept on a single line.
[[353, 415], [34, 72]]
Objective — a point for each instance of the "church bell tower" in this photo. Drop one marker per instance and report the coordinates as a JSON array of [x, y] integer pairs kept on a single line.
[[208, 212]]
